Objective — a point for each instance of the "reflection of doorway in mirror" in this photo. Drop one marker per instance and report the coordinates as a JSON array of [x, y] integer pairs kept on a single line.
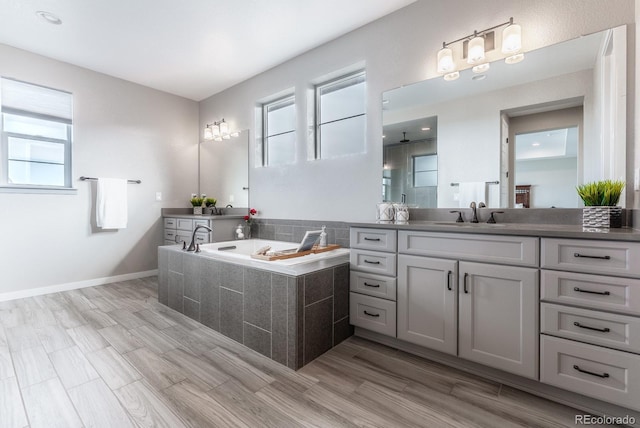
[[545, 152]]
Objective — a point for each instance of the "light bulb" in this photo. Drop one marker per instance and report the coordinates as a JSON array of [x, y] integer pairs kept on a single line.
[[514, 59], [215, 131], [208, 135], [445, 61], [451, 76], [475, 51], [511, 39], [481, 68]]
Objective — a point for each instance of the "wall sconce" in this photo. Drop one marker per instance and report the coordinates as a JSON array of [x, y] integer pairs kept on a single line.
[[476, 45], [218, 131]]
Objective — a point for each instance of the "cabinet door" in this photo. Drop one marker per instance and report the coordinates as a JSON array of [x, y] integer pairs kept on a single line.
[[498, 317], [427, 302]]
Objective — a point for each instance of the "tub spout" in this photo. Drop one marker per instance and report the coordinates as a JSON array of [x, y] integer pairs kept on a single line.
[[192, 245]]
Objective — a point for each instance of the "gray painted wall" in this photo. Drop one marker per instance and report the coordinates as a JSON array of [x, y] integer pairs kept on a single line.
[[121, 130], [397, 49]]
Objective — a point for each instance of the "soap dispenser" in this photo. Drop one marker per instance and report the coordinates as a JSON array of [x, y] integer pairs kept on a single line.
[[323, 237], [240, 232]]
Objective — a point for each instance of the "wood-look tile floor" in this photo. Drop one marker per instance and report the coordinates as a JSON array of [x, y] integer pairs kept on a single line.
[[112, 356]]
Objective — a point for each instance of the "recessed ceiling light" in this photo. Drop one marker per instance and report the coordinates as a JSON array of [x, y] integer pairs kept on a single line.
[[384, 136], [479, 77], [426, 129], [535, 144], [49, 17]]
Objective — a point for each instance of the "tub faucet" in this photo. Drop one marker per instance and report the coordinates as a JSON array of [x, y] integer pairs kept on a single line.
[[192, 245]]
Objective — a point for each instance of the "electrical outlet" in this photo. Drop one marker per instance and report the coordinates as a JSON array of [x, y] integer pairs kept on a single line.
[[158, 196], [636, 179]]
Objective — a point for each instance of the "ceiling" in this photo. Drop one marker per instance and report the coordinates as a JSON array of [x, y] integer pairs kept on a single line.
[[193, 48]]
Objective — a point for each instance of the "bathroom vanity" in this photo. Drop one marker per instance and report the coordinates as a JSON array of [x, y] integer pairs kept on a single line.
[[548, 309], [179, 226]]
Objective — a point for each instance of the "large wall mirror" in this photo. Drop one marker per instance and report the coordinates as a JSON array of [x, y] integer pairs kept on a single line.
[[520, 135], [224, 170]]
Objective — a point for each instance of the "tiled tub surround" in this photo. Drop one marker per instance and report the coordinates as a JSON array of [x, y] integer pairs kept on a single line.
[[291, 319], [293, 230]]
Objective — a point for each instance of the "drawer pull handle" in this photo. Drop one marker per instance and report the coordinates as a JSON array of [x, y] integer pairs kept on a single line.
[[466, 290], [370, 262], [449, 280], [372, 285], [603, 330], [371, 315], [591, 257], [372, 239], [602, 293], [603, 375]]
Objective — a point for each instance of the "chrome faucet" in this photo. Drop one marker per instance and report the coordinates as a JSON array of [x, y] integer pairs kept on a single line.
[[192, 245], [475, 211]]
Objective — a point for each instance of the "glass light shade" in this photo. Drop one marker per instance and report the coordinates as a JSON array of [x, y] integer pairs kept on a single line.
[[481, 68], [208, 134], [215, 131], [226, 136], [514, 59], [445, 61], [475, 50], [511, 39], [451, 76], [224, 128]]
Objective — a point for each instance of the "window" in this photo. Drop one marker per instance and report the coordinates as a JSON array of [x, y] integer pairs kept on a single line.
[[425, 170], [36, 136], [340, 116], [279, 132]]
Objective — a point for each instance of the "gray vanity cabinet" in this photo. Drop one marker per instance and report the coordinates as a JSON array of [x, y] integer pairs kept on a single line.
[[496, 305], [428, 302], [498, 317]]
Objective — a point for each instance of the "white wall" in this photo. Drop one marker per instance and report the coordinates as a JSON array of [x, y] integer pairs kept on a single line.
[[120, 130], [397, 50], [553, 182]]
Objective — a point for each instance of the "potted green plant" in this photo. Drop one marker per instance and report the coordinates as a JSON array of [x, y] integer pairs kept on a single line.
[[211, 204], [600, 199], [196, 203]]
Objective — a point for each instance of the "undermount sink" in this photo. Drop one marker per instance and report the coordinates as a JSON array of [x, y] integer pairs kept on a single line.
[[453, 223]]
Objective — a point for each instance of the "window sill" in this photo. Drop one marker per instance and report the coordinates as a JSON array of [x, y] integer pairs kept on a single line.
[[39, 189]]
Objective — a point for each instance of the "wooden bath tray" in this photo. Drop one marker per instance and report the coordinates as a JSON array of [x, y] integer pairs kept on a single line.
[[314, 250]]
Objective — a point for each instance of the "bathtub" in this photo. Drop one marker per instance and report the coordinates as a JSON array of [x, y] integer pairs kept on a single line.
[[244, 248]]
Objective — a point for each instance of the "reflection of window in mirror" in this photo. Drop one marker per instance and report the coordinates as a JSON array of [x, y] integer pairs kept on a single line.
[[279, 132], [425, 170], [546, 166], [340, 116]]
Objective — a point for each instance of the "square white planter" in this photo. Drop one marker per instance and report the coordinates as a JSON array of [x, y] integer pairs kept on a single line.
[[602, 217], [197, 210]]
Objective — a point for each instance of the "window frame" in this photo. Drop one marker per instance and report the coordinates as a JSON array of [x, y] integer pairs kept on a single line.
[[265, 125], [317, 147], [5, 185], [413, 167]]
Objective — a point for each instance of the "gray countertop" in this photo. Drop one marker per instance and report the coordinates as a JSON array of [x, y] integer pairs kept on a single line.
[[204, 217], [522, 229]]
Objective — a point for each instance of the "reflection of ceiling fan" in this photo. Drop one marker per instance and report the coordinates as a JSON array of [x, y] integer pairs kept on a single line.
[[404, 138]]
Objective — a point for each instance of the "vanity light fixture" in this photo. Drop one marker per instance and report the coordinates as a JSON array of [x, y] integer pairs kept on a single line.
[[476, 45], [218, 131]]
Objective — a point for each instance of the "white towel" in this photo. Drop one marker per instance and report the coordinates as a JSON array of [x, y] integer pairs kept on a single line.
[[474, 191], [111, 203]]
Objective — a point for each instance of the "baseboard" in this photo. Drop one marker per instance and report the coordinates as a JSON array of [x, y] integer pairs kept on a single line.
[[12, 295]]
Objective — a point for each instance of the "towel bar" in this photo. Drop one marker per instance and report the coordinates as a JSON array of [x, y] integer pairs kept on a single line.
[[488, 182], [83, 178]]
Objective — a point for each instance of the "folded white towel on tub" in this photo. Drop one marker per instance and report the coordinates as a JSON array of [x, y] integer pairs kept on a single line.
[[111, 203]]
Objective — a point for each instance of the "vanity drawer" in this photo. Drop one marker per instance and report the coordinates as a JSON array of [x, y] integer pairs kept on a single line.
[[593, 291], [170, 223], [373, 239], [509, 250], [373, 285], [372, 313], [613, 257], [184, 224], [183, 237], [595, 327], [202, 238], [197, 223], [170, 235], [602, 373], [373, 262]]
